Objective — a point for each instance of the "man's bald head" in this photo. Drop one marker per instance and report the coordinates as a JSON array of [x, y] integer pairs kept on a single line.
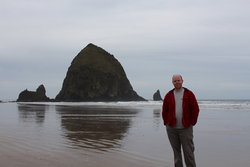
[[177, 81]]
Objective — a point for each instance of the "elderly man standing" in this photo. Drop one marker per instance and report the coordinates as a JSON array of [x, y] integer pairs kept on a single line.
[[180, 112]]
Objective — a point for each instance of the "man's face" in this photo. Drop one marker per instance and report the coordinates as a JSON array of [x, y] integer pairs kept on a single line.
[[177, 82]]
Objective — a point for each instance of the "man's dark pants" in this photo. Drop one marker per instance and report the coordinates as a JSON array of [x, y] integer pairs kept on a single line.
[[182, 138]]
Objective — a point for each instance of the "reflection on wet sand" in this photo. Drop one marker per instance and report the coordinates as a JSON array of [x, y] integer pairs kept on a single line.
[[97, 129], [28, 112], [157, 113]]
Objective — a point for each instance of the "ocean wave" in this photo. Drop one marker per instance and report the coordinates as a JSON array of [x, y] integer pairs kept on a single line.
[[111, 104], [225, 104], [204, 104]]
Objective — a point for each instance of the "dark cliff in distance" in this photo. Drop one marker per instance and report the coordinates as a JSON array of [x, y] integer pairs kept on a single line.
[[96, 75], [157, 96], [34, 96]]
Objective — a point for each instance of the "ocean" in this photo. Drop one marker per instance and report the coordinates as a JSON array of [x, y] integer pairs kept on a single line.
[[92, 134]]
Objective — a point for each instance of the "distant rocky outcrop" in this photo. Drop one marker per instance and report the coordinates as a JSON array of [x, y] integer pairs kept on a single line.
[[33, 96], [157, 96], [96, 75]]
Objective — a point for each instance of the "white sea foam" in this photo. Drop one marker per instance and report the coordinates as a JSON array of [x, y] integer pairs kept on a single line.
[[225, 104], [204, 104], [100, 104]]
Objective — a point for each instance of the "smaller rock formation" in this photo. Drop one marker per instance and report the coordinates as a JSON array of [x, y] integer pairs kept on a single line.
[[157, 96], [30, 96]]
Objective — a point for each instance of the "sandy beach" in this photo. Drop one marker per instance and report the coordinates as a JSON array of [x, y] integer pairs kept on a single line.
[[116, 135]]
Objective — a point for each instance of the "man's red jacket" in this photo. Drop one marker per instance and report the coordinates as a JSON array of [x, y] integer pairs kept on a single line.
[[189, 105]]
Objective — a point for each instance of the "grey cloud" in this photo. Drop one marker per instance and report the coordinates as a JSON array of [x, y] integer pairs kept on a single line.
[[206, 41]]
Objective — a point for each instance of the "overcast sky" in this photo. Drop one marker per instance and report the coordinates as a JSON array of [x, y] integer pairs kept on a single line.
[[207, 41]]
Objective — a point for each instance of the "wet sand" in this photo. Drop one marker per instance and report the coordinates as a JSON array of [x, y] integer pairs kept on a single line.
[[52, 135]]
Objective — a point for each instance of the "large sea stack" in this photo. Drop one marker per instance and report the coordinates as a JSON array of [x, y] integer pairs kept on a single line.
[[95, 75]]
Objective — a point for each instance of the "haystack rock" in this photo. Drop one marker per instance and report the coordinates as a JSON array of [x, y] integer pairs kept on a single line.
[[33, 96], [157, 96], [96, 75]]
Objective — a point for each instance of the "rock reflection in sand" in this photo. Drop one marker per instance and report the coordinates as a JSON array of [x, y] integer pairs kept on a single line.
[[98, 129], [29, 113]]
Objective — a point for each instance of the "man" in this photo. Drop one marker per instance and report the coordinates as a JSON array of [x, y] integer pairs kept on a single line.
[[180, 112]]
